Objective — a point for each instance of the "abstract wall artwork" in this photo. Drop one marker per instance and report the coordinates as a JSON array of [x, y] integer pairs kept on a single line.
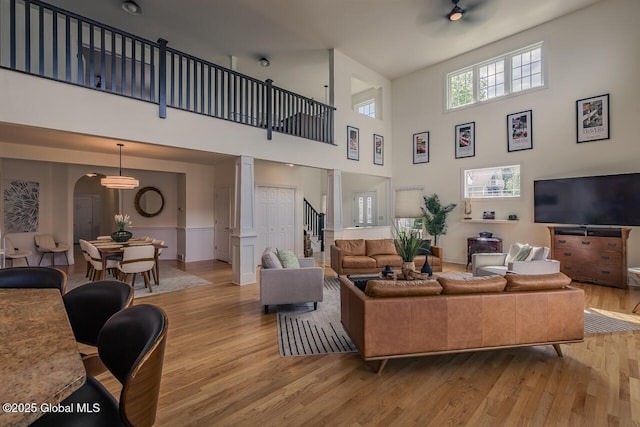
[[21, 206]]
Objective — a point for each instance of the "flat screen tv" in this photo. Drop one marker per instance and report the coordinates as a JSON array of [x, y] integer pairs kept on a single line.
[[591, 200]]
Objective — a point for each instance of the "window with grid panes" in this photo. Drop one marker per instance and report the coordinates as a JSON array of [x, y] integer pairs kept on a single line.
[[526, 69], [508, 74]]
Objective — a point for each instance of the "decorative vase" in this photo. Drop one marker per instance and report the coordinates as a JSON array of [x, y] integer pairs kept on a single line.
[[121, 235], [387, 272], [407, 269], [426, 268]]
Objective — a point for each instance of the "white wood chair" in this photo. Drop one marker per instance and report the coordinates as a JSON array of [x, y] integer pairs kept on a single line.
[[155, 271], [12, 252], [137, 259], [96, 261], [45, 244]]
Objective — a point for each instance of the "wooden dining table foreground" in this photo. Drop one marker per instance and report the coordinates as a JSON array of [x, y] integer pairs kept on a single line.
[[40, 364]]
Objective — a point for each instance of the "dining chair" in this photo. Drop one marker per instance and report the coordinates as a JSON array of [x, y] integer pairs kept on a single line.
[[88, 307], [46, 244], [33, 277], [131, 344], [137, 259], [96, 261], [155, 271], [87, 258], [12, 252]]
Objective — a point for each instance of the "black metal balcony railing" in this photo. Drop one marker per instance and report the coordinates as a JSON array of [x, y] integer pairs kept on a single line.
[[57, 44]]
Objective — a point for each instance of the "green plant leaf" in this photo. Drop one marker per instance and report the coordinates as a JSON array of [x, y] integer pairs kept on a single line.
[[434, 216]]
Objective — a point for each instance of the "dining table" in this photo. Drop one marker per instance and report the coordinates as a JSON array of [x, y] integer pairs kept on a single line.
[[40, 364], [110, 248]]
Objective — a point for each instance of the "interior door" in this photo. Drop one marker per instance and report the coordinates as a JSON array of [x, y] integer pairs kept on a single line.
[[275, 215], [222, 229], [82, 217], [285, 220], [365, 208]]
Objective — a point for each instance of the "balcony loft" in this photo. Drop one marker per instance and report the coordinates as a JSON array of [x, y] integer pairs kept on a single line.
[[59, 45]]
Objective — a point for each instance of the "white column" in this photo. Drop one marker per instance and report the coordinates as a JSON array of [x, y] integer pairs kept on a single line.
[[334, 211], [244, 236]]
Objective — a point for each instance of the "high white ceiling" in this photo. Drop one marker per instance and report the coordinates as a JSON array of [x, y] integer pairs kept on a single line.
[[393, 37]]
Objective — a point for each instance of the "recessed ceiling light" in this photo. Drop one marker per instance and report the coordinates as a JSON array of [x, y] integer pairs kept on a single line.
[[131, 7], [264, 62]]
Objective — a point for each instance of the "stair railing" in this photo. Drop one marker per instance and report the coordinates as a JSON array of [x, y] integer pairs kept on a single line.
[[314, 222]]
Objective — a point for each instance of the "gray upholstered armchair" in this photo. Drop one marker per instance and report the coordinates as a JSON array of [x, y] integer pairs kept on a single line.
[[280, 285]]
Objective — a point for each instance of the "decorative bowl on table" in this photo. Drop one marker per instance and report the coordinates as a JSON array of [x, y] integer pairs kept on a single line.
[[121, 236], [485, 234]]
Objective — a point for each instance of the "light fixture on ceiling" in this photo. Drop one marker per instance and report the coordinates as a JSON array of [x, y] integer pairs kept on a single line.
[[264, 62], [131, 7], [118, 181], [456, 13]]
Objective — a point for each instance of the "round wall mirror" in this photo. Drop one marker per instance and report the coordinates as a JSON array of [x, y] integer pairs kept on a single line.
[[149, 201]]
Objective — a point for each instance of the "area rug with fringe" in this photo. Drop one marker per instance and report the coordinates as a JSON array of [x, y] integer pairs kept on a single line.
[[303, 331], [171, 279]]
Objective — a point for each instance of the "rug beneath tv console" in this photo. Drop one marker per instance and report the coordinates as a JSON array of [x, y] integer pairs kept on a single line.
[[303, 331]]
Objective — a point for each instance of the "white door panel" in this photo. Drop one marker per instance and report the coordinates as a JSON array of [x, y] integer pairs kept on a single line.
[[275, 210]]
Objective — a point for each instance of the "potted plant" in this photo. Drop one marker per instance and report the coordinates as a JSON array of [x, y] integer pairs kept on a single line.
[[407, 244], [121, 235], [434, 216]]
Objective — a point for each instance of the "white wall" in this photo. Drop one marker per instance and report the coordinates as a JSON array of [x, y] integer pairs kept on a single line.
[[43, 174], [343, 68], [139, 121], [352, 183], [591, 52], [186, 223]]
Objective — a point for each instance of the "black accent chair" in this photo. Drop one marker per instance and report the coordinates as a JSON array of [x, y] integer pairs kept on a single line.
[[33, 277], [89, 307], [131, 345]]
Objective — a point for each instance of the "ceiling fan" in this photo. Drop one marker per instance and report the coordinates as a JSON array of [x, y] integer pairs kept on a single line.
[[457, 12], [464, 13]]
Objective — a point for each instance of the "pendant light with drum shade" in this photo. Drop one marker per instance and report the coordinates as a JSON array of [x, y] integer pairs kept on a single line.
[[120, 182]]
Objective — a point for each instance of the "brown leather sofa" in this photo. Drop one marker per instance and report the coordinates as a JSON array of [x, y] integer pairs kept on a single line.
[[450, 315], [366, 256]]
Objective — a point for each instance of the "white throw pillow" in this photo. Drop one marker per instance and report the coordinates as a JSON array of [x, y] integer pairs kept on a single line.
[[513, 251], [523, 253], [538, 253]]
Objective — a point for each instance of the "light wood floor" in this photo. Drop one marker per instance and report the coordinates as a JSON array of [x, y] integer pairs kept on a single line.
[[222, 368]]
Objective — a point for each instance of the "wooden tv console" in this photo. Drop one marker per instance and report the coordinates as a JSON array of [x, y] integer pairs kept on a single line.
[[592, 254]]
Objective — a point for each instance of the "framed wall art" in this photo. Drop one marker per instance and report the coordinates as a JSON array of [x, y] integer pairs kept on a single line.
[[378, 149], [519, 131], [21, 206], [465, 140], [353, 143], [592, 118], [421, 147]]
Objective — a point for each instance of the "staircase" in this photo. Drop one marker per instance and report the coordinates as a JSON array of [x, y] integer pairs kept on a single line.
[[313, 229]]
